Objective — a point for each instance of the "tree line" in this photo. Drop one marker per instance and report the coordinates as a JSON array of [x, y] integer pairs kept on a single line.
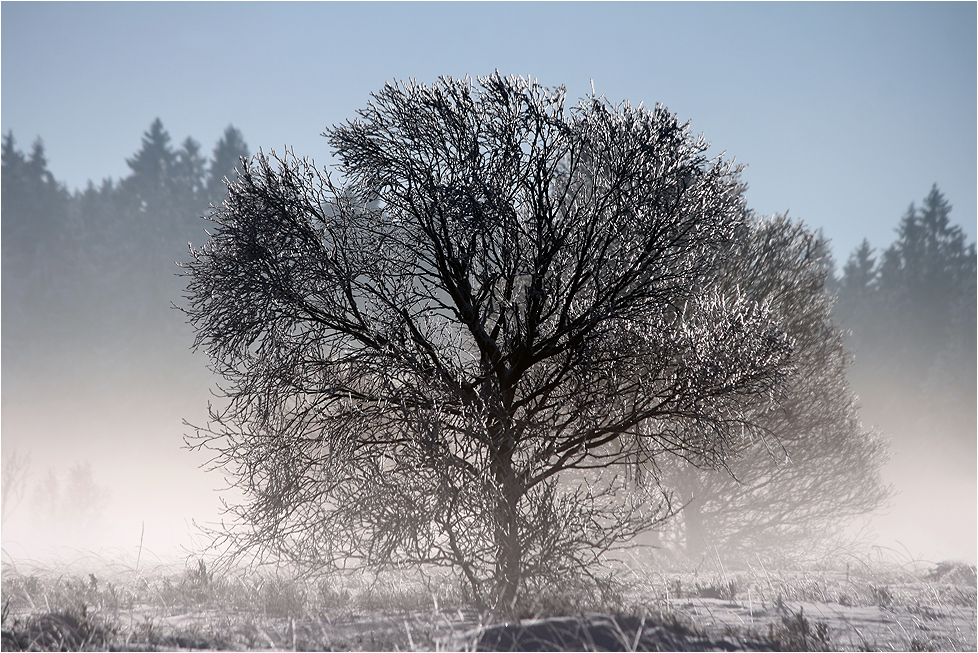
[[94, 268], [910, 309], [110, 248]]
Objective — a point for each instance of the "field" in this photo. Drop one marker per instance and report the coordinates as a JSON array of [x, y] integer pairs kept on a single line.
[[94, 604]]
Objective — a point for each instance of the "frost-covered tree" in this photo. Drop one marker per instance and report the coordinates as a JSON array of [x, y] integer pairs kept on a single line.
[[429, 362], [13, 481], [823, 468]]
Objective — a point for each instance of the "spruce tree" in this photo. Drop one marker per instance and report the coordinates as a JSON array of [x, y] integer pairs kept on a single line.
[[228, 152], [151, 183]]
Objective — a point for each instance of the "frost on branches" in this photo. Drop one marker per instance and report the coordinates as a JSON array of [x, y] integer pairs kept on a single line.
[[457, 354]]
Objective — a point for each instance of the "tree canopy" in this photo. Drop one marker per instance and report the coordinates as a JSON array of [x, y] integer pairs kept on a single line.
[[427, 362]]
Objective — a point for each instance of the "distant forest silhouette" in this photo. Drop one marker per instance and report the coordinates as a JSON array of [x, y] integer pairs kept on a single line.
[[89, 279]]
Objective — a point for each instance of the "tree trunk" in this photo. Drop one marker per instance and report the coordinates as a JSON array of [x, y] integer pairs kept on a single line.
[[695, 536], [692, 513], [509, 552]]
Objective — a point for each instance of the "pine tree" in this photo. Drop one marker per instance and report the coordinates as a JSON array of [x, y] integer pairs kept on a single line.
[[859, 273], [16, 201], [858, 294], [189, 175], [151, 182], [35, 205], [38, 257], [163, 199], [228, 152], [190, 200], [35, 212], [922, 277]]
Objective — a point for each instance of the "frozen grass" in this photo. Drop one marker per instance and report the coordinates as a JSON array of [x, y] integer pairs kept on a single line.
[[116, 608], [853, 605], [856, 603]]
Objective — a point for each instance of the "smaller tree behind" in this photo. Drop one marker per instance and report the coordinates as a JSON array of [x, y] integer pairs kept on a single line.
[[821, 466]]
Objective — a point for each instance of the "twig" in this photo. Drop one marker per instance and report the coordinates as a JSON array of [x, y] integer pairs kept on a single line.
[[142, 532]]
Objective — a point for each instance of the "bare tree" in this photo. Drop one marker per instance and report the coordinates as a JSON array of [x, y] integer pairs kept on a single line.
[[13, 481], [824, 468], [429, 363], [69, 508]]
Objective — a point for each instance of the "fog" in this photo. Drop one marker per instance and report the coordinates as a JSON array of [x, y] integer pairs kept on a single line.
[[99, 379], [932, 517], [130, 430], [144, 487]]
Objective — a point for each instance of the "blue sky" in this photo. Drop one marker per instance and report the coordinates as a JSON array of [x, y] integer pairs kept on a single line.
[[844, 112]]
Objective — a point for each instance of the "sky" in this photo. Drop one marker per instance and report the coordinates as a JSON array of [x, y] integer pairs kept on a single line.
[[844, 113]]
